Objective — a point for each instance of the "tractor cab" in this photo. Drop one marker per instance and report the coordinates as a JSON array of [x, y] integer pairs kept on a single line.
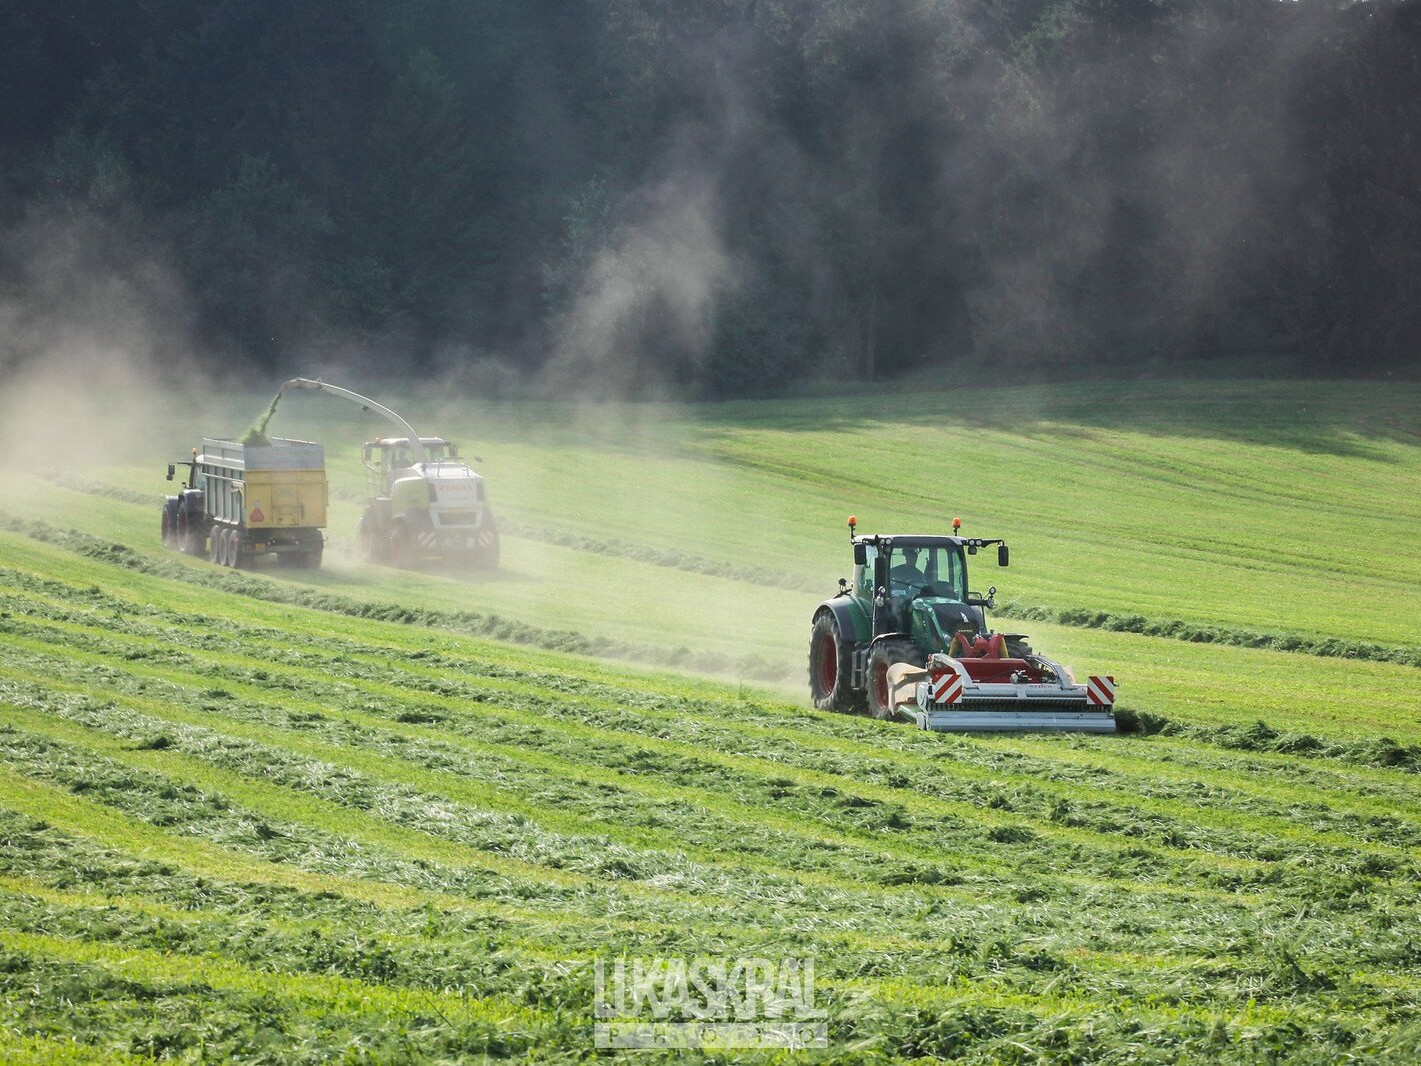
[[917, 586]]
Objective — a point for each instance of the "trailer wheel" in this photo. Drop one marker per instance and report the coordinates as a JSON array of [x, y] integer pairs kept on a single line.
[[830, 664], [217, 547], [310, 559], [883, 656], [235, 559]]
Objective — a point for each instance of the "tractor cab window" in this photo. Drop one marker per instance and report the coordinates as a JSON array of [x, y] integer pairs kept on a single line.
[[927, 571]]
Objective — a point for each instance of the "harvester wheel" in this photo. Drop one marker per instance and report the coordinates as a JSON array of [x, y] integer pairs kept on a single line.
[[366, 541], [880, 704], [401, 550], [830, 665]]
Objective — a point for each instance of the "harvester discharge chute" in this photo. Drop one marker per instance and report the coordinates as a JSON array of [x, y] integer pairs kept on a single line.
[[908, 640]]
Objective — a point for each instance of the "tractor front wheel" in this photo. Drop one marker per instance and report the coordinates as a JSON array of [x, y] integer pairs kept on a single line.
[[191, 538], [830, 666], [880, 700]]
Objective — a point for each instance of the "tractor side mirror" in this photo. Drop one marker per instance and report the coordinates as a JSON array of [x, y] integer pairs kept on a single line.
[[1003, 556], [171, 470], [860, 551]]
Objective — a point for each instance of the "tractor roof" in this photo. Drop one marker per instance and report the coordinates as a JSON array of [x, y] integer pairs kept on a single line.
[[910, 540]]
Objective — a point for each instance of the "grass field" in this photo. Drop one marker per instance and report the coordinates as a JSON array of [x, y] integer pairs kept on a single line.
[[376, 815]]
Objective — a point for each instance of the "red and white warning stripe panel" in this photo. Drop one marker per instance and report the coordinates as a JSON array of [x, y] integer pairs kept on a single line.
[[946, 688], [1100, 691], [427, 540]]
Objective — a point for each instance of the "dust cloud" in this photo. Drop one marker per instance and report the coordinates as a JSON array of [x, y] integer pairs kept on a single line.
[[92, 353]]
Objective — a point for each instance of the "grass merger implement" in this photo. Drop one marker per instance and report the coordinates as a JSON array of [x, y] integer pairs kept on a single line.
[[908, 639]]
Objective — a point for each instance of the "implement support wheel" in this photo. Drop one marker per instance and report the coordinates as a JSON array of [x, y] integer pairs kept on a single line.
[[879, 660]]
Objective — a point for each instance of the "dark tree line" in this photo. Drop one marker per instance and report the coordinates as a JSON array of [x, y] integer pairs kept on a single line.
[[717, 196]]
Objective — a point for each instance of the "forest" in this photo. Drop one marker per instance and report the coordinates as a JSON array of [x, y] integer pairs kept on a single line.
[[714, 198]]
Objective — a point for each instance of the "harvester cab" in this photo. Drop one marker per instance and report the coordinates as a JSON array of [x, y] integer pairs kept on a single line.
[[388, 459], [908, 638], [425, 499]]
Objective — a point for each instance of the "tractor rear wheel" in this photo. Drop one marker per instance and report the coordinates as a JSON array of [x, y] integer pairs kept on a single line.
[[830, 667], [880, 702], [170, 531]]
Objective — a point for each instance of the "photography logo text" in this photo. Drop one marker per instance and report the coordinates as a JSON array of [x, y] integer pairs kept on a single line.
[[707, 1003]]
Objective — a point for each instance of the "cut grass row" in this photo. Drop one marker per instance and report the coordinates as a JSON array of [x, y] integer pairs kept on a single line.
[[1094, 804], [1312, 706], [1246, 828], [1035, 966], [681, 749]]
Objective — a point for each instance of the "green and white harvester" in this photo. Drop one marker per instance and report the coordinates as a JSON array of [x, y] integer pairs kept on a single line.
[[425, 501]]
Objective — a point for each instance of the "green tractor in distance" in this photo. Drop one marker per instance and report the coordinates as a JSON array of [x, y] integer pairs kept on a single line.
[[908, 639]]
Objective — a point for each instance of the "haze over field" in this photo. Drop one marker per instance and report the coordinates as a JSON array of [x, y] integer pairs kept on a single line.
[[588, 198]]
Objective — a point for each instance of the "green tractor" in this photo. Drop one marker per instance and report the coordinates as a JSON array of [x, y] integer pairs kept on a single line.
[[908, 639]]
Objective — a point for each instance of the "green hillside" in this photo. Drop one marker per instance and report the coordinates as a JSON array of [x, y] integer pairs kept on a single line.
[[315, 815]]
